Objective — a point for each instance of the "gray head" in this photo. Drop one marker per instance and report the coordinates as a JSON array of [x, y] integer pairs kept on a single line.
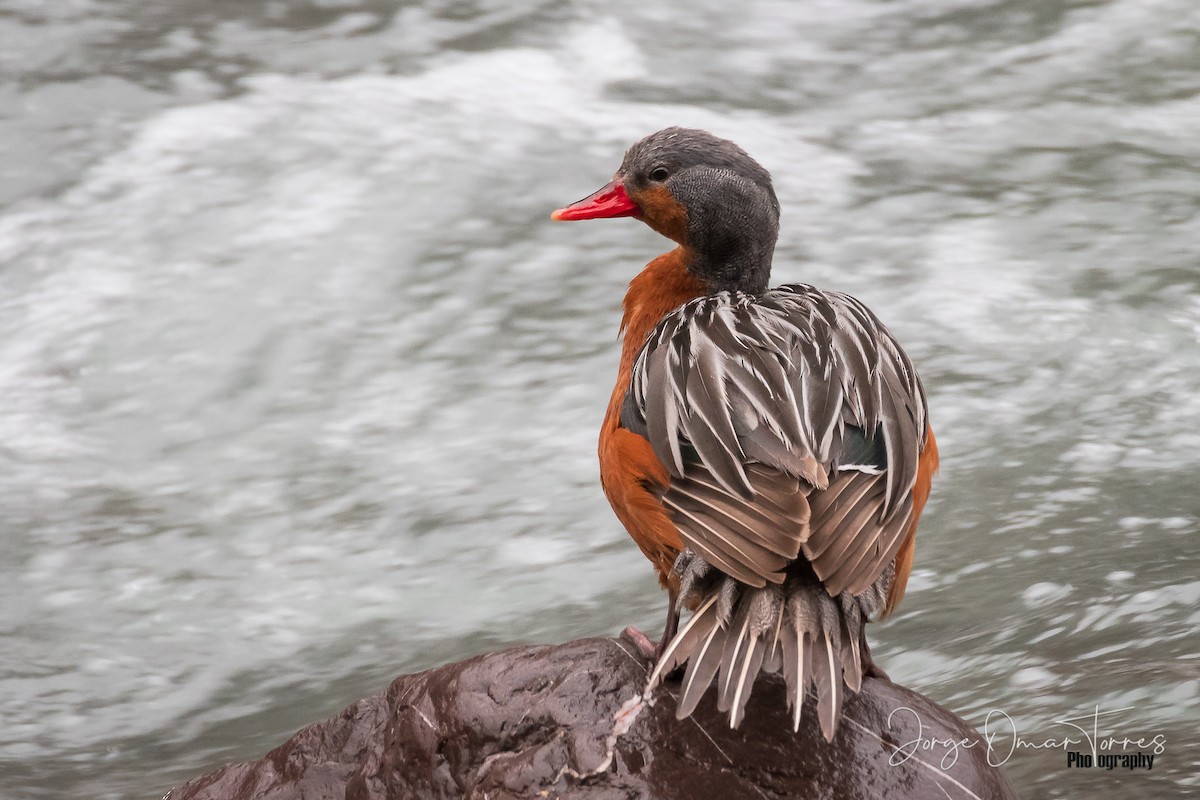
[[707, 194]]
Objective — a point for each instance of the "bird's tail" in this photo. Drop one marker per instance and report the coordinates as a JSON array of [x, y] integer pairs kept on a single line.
[[737, 631]]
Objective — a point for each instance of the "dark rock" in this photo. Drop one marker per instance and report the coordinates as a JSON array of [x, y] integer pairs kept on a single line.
[[567, 722]]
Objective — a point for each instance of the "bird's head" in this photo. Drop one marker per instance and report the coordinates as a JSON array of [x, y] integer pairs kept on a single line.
[[705, 193]]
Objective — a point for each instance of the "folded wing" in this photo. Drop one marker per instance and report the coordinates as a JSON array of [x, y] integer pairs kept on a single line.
[[791, 423]]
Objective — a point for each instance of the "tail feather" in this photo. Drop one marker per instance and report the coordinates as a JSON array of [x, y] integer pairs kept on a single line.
[[852, 667], [736, 647], [773, 660], [700, 671], [743, 683], [738, 631], [829, 688], [795, 670], [852, 662], [686, 641]]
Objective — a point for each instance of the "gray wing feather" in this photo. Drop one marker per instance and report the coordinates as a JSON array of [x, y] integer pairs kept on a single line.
[[713, 433], [752, 542], [732, 389]]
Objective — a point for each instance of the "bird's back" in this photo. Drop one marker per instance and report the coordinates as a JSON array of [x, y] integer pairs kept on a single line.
[[793, 429]]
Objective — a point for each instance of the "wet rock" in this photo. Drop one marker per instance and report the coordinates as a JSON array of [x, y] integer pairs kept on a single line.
[[568, 722]]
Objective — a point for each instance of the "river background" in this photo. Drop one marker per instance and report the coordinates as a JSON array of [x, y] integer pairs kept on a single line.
[[301, 387]]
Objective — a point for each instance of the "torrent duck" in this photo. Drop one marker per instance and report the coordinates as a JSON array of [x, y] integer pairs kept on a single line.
[[768, 450]]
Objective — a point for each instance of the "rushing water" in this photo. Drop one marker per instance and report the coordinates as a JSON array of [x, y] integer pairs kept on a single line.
[[301, 387]]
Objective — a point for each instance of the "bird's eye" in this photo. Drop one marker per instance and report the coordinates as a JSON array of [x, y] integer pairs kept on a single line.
[[659, 174]]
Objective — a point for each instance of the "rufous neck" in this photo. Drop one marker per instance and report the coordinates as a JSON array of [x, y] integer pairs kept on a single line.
[[663, 286]]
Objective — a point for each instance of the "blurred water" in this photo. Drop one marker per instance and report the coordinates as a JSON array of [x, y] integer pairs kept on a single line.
[[301, 388]]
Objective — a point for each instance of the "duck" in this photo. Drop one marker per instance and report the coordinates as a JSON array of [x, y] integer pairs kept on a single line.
[[768, 449]]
